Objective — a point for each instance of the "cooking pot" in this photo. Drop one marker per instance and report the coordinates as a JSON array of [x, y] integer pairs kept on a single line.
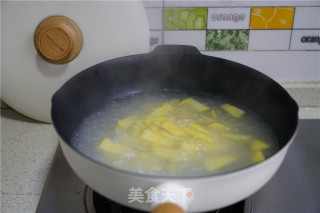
[[185, 69]]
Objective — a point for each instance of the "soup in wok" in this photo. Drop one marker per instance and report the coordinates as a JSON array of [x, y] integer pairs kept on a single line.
[[174, 134]]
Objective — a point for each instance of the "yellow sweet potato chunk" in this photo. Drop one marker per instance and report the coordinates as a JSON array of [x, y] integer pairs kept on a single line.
[[204, 120], [218, 162], [232, 110], [110, 147], [158, 120], [162, 110], [258, 156], [200, 128], [194, 104], [190, 147], [163, 152], [213, 114], [199, 132], [218, 127], [169, 137], [153, 137], [173, 129], [127, 122], [258, 145], [136, 130]]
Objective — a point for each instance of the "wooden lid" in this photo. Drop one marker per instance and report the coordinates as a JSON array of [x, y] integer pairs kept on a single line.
[[58, 40], [168, 208]]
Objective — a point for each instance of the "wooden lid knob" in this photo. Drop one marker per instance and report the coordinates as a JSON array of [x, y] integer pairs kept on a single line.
[[58, 40], [168, 208]]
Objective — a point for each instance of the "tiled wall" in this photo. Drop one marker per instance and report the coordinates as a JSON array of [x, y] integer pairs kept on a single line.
[[236, 28]]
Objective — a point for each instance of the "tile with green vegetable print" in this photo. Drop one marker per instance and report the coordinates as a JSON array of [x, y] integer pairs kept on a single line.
[[185, 18], [227, 40]]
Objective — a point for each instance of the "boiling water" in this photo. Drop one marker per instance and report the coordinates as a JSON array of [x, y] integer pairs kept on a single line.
[[103, 124]]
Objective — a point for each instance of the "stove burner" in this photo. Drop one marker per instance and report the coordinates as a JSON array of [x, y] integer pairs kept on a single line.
[[102, 205], [96, 203]]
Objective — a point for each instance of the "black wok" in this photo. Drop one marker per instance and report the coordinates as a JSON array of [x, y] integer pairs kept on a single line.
[[180, 68]]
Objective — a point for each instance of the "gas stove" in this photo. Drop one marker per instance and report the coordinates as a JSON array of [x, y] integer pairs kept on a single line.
[[295, 187]]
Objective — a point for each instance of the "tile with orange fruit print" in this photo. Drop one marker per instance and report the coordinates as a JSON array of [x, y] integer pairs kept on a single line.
[[271, 17]]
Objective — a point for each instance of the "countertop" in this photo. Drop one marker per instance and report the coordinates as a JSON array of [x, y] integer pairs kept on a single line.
[[27, 152]]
